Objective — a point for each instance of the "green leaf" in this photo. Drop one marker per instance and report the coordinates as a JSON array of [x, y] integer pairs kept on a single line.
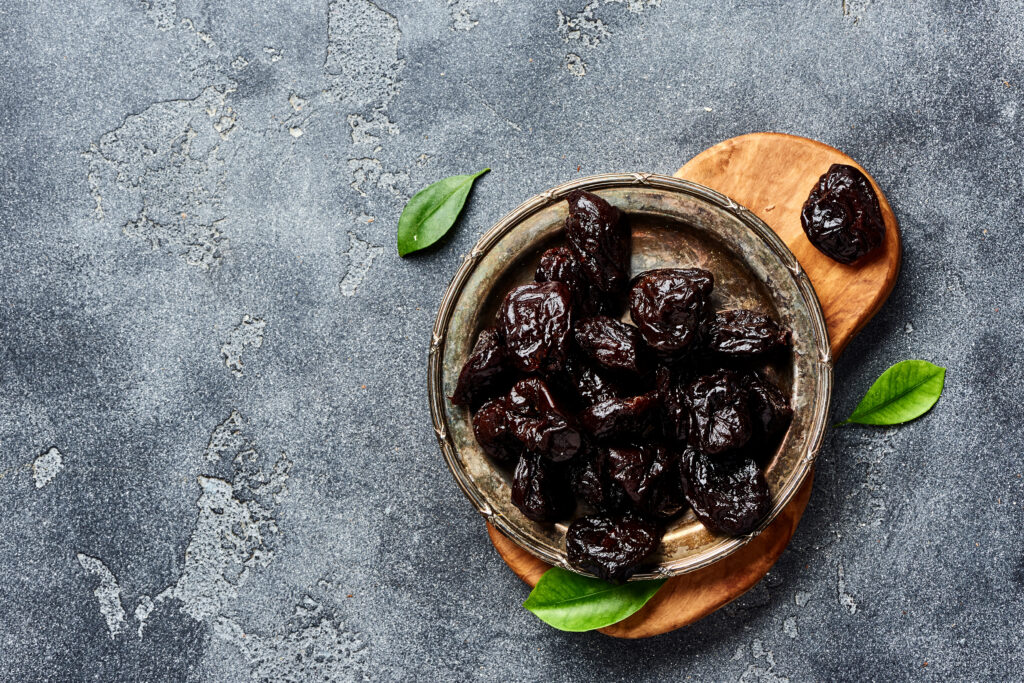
[[905, 391], [432, 212], [571, 602]]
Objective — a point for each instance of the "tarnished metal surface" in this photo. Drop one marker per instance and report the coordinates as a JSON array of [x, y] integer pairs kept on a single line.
[[675, 224]]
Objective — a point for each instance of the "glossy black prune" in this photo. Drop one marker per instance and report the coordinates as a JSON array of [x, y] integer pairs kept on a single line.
[[612, 548], [667, 306], [728, 496], [674, 409], [719, 414], [740, 332], [559, 264], [591, 385], [768, 405], [631, 416], [486, 371], [537, 420], [493, 433], [612, 344], [601, 241], [536, 321], [537, 489], [842, 216], [650, 477]]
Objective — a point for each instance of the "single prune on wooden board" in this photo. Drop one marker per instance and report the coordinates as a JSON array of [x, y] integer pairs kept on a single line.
[[536, 321], [537, 420], [486, 371], [611, 343], [667, 306], [631, 416], [842, 216], [740, 332], [601, 241], [719, 413], [612, 548], [493, 433], [768, 405], [538, 491], [649, 475], [729, 496]]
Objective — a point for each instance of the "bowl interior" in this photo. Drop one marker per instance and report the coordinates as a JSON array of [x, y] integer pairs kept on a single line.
[[674, 224]]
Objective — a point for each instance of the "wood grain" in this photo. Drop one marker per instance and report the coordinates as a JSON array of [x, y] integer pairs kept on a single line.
[[771, 174]]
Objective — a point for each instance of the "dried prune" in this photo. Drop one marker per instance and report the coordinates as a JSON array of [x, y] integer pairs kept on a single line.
[[600, 239], [674, 409], [621, 416], [728, 496], [612, 548], [741, 332], [492, 431], [612, 344], [768, 404], [719, 415], [537, 420], [536, 321], [591, 385], [667, 306], [559, 264], [650, 477], [486, 371], [842, 216], [537, 489]]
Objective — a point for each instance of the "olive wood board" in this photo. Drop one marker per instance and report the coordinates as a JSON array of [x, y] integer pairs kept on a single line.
[[771, 174]]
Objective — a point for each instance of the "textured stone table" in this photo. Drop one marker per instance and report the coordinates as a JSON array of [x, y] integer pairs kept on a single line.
[[215, 454]]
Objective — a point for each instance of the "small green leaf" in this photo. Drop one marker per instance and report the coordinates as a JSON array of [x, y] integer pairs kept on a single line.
[[432, 212], [905, 391], [571, 602]]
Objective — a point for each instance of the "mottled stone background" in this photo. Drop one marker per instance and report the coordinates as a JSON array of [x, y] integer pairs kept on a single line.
[[215, 454]]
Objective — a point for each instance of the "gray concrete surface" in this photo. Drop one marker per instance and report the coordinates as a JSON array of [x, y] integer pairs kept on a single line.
[[203, 313]]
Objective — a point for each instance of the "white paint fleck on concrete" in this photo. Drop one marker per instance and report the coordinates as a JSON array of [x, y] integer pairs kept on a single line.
[[358, 259], [315, 646], [247, 334], [789, 627], [226, 439], [762, 670], [845, 599], [802, 598], [108, 593], [575, 64], [142, 611], [46, 467], [362, 62]]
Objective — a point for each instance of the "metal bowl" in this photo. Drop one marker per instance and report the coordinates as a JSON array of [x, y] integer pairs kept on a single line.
[[675, 223]]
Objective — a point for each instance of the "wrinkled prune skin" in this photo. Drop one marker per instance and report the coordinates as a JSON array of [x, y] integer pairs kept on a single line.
[[612, 344], [601, 241], [650, 477], [486, 371], [842, 216], [537, 420], [740, 332], [559, 264], [536, 322], [768, 405], [719, 414], [493, 433], [630, 417], [538, 491], [667, 305], [674, 409], [611, 548], [728, 496], [591, 385]]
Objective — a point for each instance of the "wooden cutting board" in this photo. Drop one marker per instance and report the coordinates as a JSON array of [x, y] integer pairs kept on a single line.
[[771, 174]]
